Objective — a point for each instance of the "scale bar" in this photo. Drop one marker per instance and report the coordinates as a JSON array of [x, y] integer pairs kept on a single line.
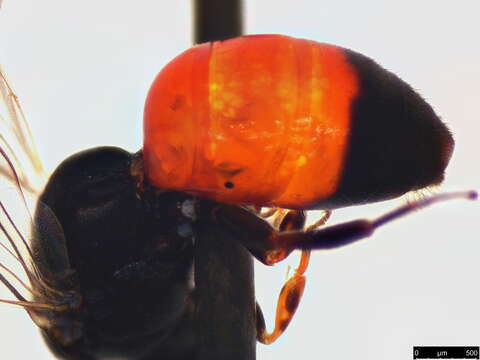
[[446, 352]]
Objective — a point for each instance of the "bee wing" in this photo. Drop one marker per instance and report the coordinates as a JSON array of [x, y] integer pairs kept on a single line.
[[17, 143], [35, 244]]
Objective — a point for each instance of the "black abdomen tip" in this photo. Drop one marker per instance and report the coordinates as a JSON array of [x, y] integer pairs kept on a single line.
[[397, 143]]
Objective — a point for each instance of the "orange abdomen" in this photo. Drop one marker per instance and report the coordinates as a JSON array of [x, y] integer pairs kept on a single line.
[[260, 120]]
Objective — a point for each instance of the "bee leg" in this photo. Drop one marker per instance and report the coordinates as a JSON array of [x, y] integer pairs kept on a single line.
[[291, 293], [265, 242], [346, 233], [287, 304], [323, 219], [270, 246]]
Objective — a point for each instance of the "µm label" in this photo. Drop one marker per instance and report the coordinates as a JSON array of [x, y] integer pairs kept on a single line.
[[446, 352]]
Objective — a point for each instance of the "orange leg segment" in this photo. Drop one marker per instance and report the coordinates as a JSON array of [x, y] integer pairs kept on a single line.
[[292, 291], [287, 304]]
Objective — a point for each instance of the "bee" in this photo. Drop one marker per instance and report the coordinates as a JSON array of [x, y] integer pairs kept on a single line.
[[223, 183], [110, 255]]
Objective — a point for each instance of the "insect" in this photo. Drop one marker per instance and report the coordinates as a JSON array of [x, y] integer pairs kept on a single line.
[[145, 225], [270, 120]]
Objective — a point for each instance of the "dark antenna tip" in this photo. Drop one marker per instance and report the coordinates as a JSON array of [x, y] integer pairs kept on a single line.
[[472, 195]]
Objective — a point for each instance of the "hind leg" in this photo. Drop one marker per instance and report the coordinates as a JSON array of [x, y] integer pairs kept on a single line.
[[291, 293]]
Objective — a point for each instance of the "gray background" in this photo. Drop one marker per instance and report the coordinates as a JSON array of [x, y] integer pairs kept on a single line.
[[82, 69]]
